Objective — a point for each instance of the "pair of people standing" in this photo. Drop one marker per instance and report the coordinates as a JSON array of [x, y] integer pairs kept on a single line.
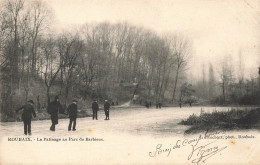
[[55, 107], [95, 109]]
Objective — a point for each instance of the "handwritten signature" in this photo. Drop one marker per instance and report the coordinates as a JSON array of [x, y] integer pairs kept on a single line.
[[199, 153], [204, 152]]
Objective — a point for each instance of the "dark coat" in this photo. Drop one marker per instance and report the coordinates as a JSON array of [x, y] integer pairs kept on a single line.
[[54, 108], [72, 111], [28, 111], [106, 106], [54, 118], [95, 106]]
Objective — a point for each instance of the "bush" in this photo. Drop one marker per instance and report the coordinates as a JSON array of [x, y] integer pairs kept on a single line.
[[250, 99], [233, 119]]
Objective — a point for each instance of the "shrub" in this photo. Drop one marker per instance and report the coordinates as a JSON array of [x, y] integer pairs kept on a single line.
[[233, 119]]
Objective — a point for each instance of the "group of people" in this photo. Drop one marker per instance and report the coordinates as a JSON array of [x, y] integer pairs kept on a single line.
[[95, 109], [149, 104], [54, 108]]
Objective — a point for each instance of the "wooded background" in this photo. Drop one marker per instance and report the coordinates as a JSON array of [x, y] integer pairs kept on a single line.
[[103, 61]]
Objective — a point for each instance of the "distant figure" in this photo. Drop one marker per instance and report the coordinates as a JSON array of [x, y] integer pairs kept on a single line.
[[95, 108], [180, 104], [28, 111], [146, 104], [53, 109], [150, 104], [112, 104], [106, 109], [160, 105], [38, 107], [190, 104], [157, 105], [72, 110], [43, 106]]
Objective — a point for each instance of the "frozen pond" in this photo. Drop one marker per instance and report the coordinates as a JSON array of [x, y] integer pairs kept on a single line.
[[138, 121], [128, 137]]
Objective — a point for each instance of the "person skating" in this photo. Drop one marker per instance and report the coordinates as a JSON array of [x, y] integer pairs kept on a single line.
[[53, 109], [95, 108], [106, 109], [72, 111], [28, 111]]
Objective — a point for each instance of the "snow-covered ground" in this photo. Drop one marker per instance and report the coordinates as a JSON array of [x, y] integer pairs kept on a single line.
[[127, 138]]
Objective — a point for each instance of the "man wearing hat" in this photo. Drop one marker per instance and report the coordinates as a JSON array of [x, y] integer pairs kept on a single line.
[[95, 108], [106, 109], [53, 109], [28, 111], [72, 110]]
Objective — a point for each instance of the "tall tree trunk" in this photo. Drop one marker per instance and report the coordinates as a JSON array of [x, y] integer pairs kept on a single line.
[[223, 92], [165, 86], [48, 95], [175, 85]]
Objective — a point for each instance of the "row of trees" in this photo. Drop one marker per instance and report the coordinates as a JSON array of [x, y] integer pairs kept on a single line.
[[228, 84], [95, 61]]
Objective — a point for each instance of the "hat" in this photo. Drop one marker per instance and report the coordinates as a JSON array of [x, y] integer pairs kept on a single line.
[[74, 101], [106, 100], [30, 101]]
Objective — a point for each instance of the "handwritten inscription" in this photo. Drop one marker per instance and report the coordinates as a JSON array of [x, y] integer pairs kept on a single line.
[[200, 151], [160, 149], [203, 152]]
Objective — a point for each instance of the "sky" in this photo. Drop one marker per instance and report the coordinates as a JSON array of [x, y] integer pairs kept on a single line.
[[216, 28]]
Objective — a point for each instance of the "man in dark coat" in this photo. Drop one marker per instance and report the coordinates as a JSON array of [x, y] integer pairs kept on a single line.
[[53, 109], [106, 109], [95, 108], [72, 110], [28, 111]]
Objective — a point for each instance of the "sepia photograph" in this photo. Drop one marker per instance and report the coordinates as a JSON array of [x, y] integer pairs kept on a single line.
[[141, 82]]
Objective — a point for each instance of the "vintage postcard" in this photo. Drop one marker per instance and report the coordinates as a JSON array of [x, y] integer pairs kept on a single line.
[[129, 82]]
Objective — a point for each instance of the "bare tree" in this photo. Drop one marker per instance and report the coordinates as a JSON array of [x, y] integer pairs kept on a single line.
[[52, 66], [211, 82], [226, 76], [39, 16], [241, 70], [181, 48], [13, 9], [10, 15], [73, 49]]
